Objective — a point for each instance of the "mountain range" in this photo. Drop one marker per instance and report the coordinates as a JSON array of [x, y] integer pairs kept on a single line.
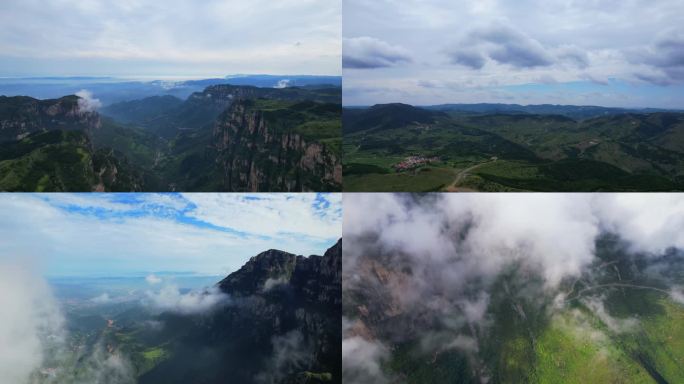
[[276, 320], [224, 138], [110, 90], [283, 325], [491, 147]]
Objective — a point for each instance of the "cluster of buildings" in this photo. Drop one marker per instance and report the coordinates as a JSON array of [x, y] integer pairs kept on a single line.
[[412, 162]]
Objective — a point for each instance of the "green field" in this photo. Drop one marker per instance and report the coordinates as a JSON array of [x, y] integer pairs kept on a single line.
[[533, 152]]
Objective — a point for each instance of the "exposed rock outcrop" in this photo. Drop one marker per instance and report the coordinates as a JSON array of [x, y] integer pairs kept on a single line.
[[21, 116], [258, 156], [283, 325]]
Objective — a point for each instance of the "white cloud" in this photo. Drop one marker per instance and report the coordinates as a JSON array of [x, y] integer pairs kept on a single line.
[[554, 233], [149, 37], [33, 336], [269, 214], [435, 264], [284, 83], [152, 279], [677, 294], [362, 359], [368, 52], [271, 283], [484, 47], [169, 298], [82, 234], [290, 354], [86, 102], [31, 323], [101, 299]]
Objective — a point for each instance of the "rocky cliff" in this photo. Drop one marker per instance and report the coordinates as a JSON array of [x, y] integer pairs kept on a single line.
[[21, 116], [256, 153], [283, 325]]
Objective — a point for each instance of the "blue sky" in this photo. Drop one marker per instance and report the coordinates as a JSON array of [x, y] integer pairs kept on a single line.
[[138, 234], [179, 38], [622, 53]]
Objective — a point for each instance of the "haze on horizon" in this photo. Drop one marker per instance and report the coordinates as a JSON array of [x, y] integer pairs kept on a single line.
[[601, 52], [175, 38]]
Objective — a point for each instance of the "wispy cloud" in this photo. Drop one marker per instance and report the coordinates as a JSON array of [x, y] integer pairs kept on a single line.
[[139, 233], [147, 37]]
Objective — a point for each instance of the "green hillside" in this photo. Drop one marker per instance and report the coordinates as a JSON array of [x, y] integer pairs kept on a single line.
[[504, 152]]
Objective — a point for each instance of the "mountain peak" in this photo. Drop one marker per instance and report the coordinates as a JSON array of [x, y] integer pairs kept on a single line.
[[281, 266]]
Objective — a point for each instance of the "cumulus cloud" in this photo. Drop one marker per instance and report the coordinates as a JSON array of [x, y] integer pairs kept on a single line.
[[284, 83], [573, 55], [665, 57], [101, 299], [33, 337], [496, 48], [271, 283], [677, 294], [169, 298], [153, 279], [505, 44], [86, 102], [615, 324], [102, 367], [469, 57], [290, 353], [31, 325], [554, 233], [446, 268], [368, 53], [558, 238], [362, 359], [651, 223]]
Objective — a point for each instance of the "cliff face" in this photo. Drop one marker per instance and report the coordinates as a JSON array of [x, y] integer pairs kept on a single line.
[[21, 116], [283, 326], [256, 155]]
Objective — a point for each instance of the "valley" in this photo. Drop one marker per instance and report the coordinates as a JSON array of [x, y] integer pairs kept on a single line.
[[223, 138], [559, 148]]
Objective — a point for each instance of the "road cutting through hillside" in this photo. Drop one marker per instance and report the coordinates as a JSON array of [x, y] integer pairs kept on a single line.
[[460, 176]]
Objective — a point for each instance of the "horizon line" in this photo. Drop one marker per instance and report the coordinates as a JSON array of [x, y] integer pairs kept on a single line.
[[511, 104]]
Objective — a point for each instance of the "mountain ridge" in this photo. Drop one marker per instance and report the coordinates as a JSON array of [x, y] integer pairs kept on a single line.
[[299, 312]]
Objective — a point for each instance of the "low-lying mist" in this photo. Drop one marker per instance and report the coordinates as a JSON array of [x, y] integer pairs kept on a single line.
[[42, 341], [462, 272]]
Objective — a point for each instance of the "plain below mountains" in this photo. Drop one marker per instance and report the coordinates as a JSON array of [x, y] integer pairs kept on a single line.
[[225, 138], [500, 147]]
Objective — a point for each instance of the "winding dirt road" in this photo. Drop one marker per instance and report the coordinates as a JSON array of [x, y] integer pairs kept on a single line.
[[461, 175]]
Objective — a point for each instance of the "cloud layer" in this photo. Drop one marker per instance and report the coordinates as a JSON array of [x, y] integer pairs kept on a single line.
[[441, 269], [170, 299], [176, 37], [592, 52], [31, 323], [95, 234], [368, 52]]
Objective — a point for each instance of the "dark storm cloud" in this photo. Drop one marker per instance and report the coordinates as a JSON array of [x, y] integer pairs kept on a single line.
[[369, 53]]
